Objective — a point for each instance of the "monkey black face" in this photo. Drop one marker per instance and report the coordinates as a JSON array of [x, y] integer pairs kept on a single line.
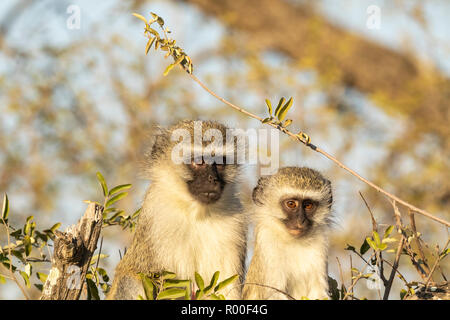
[[207, 182], [299, 213]]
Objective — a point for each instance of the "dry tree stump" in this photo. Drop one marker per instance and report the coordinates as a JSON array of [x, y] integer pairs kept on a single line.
[[73, 250]]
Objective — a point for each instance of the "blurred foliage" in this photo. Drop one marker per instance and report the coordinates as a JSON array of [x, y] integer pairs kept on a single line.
[[74, 102]]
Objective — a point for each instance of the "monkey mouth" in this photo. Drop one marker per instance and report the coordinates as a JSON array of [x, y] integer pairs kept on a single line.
[[208, 197], [299, 230], [296, 232]]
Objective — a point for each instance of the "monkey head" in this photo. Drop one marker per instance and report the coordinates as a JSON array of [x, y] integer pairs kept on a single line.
[[197, 159], [295, 200]]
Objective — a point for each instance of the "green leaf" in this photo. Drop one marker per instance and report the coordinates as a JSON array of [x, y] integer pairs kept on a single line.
[[168, 275], [118, 213], [376, 237], [116, 198], [149, 287], [213, 282], [444, 253], [285, 109], [28, 269], [169, 67], [136, 213], [364, 247], [170, 283], [269, 107], [199, 294], [199, 281], [137, 15], [287, 123], [350, 248], [149, 44], [96, 257], [5, 209], [92, 290], [119, 188], [103, 183], [25, 278], [103, 274], [55, 226], [214, 297], [16, 234], [226, 282], [41, 276], [388, 231], [172, 293], [371, 243], [279, 106], [402, 293], [27, 244]]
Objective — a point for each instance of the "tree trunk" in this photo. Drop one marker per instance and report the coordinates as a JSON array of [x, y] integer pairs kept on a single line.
[[72, 255]]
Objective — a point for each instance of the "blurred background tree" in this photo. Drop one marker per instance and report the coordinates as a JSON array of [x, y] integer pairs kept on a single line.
[[74, 101]]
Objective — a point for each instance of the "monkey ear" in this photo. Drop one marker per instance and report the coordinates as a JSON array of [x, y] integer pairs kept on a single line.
[[160, 142], [257, 191]]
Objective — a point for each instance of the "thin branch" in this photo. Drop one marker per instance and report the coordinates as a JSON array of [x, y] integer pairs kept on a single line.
[[317, 149], [418, 241], [269, 287], [394, 268], [361, 275], [435, 264], [341, 275]]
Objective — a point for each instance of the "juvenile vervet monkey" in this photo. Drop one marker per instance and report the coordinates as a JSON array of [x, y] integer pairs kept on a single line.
[[192, 219], [292, 218]]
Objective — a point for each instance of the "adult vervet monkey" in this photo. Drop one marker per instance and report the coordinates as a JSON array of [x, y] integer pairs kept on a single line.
[[292, 219], [192, 219]]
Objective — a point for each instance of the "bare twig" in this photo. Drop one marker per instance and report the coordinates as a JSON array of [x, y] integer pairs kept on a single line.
[[355, 281], [418, 241], [341, 275], [269, 287], [435, 264], [394, 269], [317, 149]]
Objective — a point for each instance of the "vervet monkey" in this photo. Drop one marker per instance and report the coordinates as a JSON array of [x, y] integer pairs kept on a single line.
[[292, 219], [192, 219]]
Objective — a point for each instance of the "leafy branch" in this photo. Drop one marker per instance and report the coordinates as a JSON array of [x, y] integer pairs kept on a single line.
[[180, 58]]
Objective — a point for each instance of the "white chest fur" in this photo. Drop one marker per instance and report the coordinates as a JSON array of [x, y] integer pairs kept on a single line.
[[295, 266]]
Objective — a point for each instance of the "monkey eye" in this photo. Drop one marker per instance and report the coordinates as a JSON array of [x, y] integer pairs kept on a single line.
[[291, 204], [308, 205]]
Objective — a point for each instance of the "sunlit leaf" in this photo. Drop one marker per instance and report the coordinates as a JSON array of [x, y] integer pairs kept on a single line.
[[25, 278], [137, 15], [226, 282], [282, 113], [269, 107], [199, 281], [172, 293], [116, 198], [5, 208], [119, 188], [279, 106], [103, 183]]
